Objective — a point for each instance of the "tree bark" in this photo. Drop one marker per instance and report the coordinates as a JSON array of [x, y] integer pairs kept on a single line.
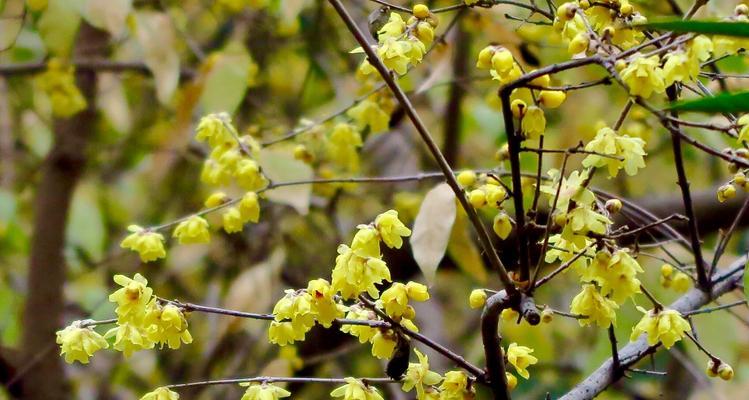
[[43, 374]]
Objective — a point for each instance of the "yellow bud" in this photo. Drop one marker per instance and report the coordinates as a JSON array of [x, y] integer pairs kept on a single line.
[[409, 313], [667, 270], [503, 61], [485, 57], [420, 11], [467, 178], [512, 381], [620, 65], [477, 198], [725, 372], [552, 98], [301, 153], [502, 225], [547, 315], [518, 108], [566, 11], [477, 299], [584, 4], [509, 315], [613, 206], [579, 44], [739, 179], [681, 282], [626, 10], [542, 80], [560, 219], [726, 192], [216, 199]]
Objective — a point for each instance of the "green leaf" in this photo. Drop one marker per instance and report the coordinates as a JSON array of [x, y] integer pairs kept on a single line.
[[721, 103], [739, 29], [227, 80]]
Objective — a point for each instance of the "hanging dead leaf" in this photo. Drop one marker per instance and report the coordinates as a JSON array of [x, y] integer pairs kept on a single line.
[[431, 232]]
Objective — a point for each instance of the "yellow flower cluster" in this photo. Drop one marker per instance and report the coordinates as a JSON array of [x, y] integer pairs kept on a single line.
[[298, 311], [596, 308], [486, 191], [629, 151], [142, 320], [615, 274], [231, 160], [147, 243], [395, 299], [455, 386], [611, 20], [666, 326], [402, 43], [58, 83]]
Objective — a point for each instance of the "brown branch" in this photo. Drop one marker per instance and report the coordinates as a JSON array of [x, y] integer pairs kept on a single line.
[[495, 364], [453, 113], [60, 172]]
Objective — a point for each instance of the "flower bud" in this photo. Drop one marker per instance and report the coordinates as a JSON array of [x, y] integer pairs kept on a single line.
[[725, 372], [552, 98], [503, 153], [477, 299], [712, 369], [518, 108], [579, 44], [667, 270], [503, 61], [626, 10], [542, 80], [560, 219], [485, 57], [681, 282], [566, 11], [409, 313], [739, 179], [303, 154], [547, 315], [467, 178], [509, 315], [741, 9], [613, 206], [726, 192], [477, 198], [502, 225], [512, 381], [420, 11]]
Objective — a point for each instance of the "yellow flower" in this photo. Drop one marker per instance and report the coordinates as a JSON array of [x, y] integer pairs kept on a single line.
[[598, 309], [192, 230], [132, 299], [129, 338], [608, 142], [353, 275], [362, 332], [249, 207], [58, 82], [582, 220], [355, 389], [395, 300], [148, 244], [502, 225], [743, 122], [297, 308], [368, 113], [417, 291], [533, 124], [167, 325], [249, 177], [79, 343], [263, 391], [323, 302], [644, 76], [283, 333], [617, 275], [572, 190], [366, 243], [418, 375], [391, 229], [394, 28], [232, 220], [520, 357], [342, 146], [666, 326], [455, 386], [383, 344], [162, 393], [563, 247], [212, 129]]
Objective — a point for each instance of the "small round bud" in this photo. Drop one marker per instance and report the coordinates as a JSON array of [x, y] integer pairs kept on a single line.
[[681, 282], [603, 256], [584, 4], [512, 381], [502, 225], [477, 198], [502, 60], [613, 206], [726, 192], [739, 179], [547, 315], [420, 11], [608, 32], [626, 10], [712, 368], [303, 154], [509, 315], [485, 57], [725, 372], [543, 80], [579, 44], [742, 152], [503, 153], [466, 178], [477, 299], [552, 98], [620, 65], [667, 270], [518, 108], [566, 11]]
